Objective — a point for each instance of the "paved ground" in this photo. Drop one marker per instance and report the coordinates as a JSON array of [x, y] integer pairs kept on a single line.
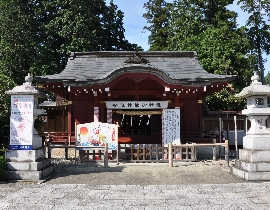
[[144, 173], [194, 185], [84, 196]]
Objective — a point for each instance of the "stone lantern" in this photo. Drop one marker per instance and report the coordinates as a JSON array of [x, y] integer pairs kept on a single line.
[[26, 157], [254, 158]]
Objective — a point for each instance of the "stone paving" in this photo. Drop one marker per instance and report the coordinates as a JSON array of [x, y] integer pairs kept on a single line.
[[83, 196], [195, 185]]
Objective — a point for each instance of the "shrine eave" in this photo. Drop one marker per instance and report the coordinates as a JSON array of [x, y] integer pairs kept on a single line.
[[101, 68], [105, 83]]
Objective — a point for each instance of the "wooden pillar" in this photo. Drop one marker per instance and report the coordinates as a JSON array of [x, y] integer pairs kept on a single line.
[[214, 150], [109, 115], [102, 114], [96, 107], [179, 123], [106, 156], [170, 155], [177, 103], [96, 114], [70, 124], [200, 104], [69, 119], [227, 152]]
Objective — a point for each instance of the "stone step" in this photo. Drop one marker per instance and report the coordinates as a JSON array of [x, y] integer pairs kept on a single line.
[[29, 175], [28, 166], [25, 155]]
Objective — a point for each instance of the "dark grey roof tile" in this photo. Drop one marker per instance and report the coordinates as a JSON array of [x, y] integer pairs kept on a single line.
[[100, 67]]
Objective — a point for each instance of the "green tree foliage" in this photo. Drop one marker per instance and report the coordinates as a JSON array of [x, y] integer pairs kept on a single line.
[[224, 100], [267, 79], [209, 28], [158, 14], [2, 166], [267, 82], [193, 17], [6, 83], [258, 29], [18, 32], [37, 36], [222, 51]]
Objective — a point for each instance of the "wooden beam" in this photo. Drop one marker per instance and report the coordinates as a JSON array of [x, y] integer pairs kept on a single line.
[[136, 92]]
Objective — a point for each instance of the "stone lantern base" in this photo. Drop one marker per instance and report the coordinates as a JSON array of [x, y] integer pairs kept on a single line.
[[254, 158], [27, 165], [23, 164]]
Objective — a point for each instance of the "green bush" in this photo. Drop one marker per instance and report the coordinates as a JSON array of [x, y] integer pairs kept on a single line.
[[2, 152], [2, 166]]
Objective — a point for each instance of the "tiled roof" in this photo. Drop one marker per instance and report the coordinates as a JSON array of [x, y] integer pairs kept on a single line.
[[254, 89], [47, 104], [102, 67]]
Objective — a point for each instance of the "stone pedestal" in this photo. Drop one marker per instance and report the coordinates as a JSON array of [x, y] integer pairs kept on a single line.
[[30, 165], [254, 158], [26, 155]]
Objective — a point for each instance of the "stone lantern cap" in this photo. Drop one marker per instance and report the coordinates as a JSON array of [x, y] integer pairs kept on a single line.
[[255, 89], [27, 89]]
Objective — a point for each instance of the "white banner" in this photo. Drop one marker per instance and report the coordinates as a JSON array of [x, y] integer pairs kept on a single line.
[[171, 126], [21, 122], [136, 104]]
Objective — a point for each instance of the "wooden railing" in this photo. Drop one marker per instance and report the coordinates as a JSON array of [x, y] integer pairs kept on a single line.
[[93, 148], [203, 137], [128, 152], [160, 153], [173, 151], [146, 152], [59, 138], [152, 153]]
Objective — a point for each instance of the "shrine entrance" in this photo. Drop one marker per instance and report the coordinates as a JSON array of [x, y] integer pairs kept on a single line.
[[138, 126], [139, 122]]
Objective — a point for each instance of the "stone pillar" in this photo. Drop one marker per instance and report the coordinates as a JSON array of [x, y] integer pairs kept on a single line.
[[254, 158], [26, 159]]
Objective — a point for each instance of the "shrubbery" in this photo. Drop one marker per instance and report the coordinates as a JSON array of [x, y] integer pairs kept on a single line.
[[2, 162]]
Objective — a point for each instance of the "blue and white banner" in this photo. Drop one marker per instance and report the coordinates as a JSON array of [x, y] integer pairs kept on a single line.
[[21, 122]]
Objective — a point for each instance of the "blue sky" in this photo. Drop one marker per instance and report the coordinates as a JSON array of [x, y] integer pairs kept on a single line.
[[134, 22]]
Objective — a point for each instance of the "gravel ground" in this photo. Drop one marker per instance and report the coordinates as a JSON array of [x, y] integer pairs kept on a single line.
[[187, 173]]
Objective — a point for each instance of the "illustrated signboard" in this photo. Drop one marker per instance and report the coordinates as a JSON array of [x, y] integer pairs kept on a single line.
[[171, 126], [21, 122], [97, 134]]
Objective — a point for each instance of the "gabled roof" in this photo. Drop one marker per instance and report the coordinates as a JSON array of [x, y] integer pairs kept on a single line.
[[181, 68]]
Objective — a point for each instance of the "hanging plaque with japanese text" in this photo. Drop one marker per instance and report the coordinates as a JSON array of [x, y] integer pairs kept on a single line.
[[171, 126], [136, 104]]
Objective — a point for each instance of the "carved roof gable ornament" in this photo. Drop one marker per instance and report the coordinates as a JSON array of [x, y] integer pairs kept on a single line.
[[137, 59]]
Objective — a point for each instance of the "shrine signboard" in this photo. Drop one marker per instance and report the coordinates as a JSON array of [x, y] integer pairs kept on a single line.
[[171, 126], [97, 134], [136, 104]]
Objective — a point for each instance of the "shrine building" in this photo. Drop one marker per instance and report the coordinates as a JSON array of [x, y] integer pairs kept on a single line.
[[131, 89]]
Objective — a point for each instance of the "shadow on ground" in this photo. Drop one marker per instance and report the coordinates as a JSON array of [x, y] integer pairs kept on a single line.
[[144, 174]]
